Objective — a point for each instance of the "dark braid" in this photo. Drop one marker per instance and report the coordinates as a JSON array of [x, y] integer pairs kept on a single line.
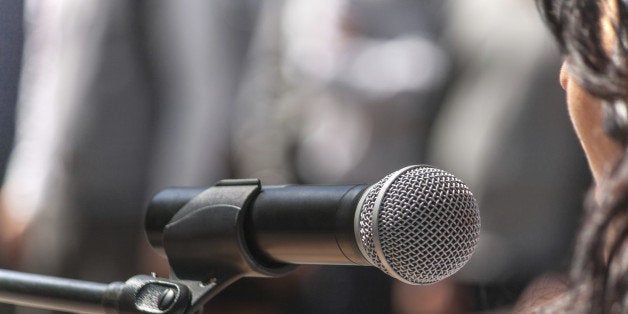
[[600, 268], [601, 245]]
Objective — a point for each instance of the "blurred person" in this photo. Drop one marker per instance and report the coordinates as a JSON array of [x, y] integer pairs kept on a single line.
[[327, 80], [343, 91], [74, 182], [111, 111], [591, 35]]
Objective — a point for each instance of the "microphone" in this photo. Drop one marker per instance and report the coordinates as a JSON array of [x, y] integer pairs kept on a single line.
[[419, 225]]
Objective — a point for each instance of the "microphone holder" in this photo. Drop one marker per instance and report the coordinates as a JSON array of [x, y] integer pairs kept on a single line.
[[206, 248]]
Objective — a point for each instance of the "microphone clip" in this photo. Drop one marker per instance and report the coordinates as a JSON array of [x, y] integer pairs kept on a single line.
[[205, 242]]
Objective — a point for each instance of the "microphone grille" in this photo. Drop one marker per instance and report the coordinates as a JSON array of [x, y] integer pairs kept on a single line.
[[419, 224]]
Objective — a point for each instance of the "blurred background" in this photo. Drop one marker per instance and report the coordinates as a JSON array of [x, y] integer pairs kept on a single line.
[[104, 103]]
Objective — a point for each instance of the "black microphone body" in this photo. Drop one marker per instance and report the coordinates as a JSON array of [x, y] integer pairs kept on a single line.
[[306, 224], [275, 227]]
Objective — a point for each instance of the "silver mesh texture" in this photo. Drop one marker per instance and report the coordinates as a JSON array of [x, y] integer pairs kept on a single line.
[[419, 224], [366, 223]]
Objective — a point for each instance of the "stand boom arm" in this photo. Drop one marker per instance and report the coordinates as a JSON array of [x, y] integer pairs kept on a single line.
[[140, 294]]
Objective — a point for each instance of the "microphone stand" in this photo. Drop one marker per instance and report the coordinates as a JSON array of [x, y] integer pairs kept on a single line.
[[205, 255]]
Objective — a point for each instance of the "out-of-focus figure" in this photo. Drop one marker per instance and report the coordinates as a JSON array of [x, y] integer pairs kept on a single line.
[[341, 91], [118, 99]]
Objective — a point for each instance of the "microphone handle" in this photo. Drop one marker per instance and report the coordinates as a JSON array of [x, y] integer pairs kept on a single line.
[[295, 224], [305, 224]]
